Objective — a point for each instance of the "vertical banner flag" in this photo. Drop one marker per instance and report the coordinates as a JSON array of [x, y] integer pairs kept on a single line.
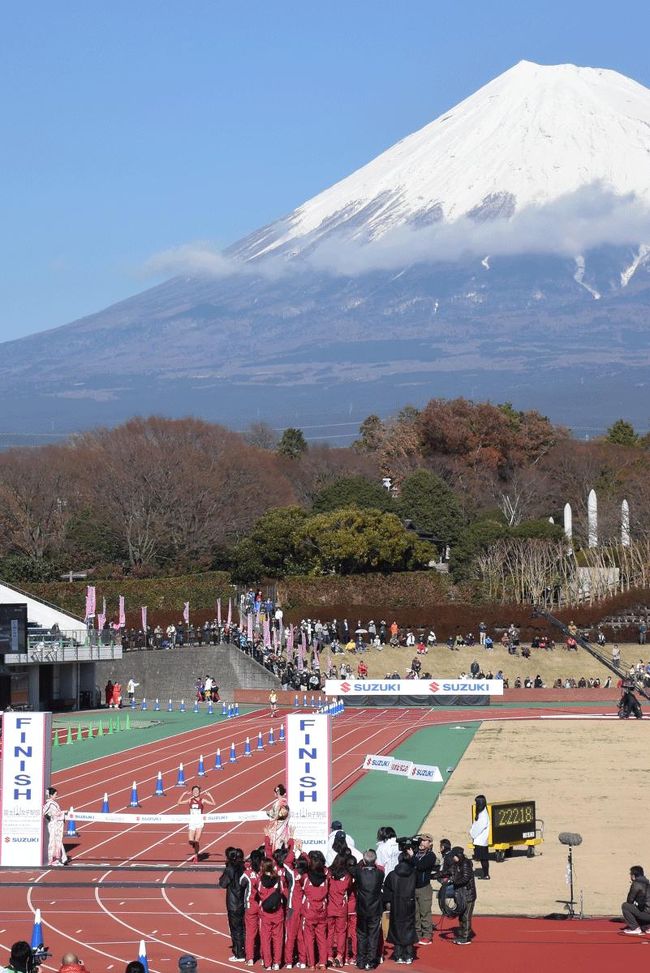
[[309, 791], [121, 621], [101, 616], [219, 612], [302, 649], [24, 775], [267, 633], [144, 619], [290, 643], [229, 621], [90, 601], [186, 612], [249, 627]]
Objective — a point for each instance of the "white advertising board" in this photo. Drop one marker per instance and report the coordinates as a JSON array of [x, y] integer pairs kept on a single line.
[[405, 768], [309, 783], [401, 767], [425, 772], [26, 748], [414, 687], [375, 761]]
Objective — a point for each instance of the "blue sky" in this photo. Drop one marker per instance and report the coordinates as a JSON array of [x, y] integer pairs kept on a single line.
[[132, 127]]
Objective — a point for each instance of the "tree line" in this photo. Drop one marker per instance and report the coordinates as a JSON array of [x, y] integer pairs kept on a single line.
[[159, 496]]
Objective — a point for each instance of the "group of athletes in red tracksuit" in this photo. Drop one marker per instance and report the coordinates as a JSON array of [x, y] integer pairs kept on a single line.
[[296, 911]]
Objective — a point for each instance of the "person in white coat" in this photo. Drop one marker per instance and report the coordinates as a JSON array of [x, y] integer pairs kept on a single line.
[[387, 849], [479, 833]]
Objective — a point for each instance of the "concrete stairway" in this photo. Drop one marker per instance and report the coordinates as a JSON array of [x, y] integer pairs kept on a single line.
[[172, 674]]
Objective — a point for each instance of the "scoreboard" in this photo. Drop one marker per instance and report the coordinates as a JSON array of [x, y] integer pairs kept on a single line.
[[511, 822]]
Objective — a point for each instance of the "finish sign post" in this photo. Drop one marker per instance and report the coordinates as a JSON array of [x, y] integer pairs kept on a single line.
[[24, 775], [309, 777]]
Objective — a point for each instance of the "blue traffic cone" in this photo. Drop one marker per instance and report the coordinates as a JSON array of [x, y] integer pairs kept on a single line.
[[201, 771], [195, 708], [156, 706], [210, 708], [134, 802], [143, 704], [233, 755], [247, 747], [105, 807], [271, 738], [341, 706], [181, 708], [231, 711], [217, 761], [142, 956], [295, 700], [224, 710], [72, 827], [37, 930], [159, 792], [304, 699], [170, 706], [312, 701], [281, 732], [260, 741], [133, 703], [180, 780], [236, 709]]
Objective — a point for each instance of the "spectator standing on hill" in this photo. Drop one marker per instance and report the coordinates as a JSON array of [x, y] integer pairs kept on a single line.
[[482, 632], [616, 656]]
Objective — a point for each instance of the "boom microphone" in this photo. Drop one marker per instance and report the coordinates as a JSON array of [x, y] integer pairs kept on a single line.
[[569, 838]]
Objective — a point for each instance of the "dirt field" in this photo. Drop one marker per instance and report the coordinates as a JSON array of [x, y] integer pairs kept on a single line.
[[587, 776]]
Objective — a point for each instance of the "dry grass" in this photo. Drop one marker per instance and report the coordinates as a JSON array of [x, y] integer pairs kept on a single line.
[[440, 661]]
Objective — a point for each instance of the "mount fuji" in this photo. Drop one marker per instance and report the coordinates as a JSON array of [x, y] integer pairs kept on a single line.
[[502, 251]]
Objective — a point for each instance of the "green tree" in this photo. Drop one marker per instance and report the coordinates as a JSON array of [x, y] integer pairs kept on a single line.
[[292, 443], [275, 537], [353, 541], [622, 433], [352, 491], [432, 506]]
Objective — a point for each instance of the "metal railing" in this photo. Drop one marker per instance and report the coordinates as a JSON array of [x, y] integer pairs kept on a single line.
[[77, 645]]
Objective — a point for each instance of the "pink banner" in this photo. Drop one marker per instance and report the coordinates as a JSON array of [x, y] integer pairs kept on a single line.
[[186, 613], [249, 623], [219, 612], [290, 643], [267, 634], [276, 639], [143, 611], [101, 621], [229, 620], [90, 601], [121, 620], [301, 651]]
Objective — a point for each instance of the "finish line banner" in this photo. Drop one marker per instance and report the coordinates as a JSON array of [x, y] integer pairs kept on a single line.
[[403, 768], [414, 687], [25, 773], [309, 767], [123, 818]]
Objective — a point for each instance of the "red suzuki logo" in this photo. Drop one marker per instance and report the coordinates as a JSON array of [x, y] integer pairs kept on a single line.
[[345, 687], [434, 687]]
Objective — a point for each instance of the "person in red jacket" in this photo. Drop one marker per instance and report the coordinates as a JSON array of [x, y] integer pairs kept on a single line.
[[351, 937], [291, 873], [314, 910], [270, 892], [339, 882], [250, 881]]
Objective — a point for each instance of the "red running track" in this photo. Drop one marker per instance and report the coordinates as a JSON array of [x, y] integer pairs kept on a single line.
[[178, 911]]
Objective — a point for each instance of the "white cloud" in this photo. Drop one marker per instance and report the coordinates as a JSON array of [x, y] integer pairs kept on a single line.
[[201, 259]]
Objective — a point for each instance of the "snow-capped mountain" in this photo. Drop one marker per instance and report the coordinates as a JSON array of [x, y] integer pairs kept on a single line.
[[531, 136], [537, 323]]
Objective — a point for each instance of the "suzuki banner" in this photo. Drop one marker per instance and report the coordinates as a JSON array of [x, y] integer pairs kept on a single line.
[[414, 687]]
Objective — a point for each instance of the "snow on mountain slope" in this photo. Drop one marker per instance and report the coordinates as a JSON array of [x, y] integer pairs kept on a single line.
[[532, 135]]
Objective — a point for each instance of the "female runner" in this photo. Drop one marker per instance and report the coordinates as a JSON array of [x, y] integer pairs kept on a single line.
[[279, 831], [196, 799]]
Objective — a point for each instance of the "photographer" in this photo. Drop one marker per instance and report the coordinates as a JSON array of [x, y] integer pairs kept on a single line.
[[399, 894], [425, 862], [636, 907]]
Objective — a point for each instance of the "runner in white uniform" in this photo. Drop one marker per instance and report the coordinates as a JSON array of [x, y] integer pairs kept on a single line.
[[195, 799]]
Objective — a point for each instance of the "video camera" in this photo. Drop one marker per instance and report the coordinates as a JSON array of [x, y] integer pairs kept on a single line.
[[409, 844], [38, 955]]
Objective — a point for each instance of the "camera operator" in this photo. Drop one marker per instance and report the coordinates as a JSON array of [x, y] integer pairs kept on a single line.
[[399, 894], [636, 908], [425, 862], [462, 876], [628, 704], [20, 959]]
